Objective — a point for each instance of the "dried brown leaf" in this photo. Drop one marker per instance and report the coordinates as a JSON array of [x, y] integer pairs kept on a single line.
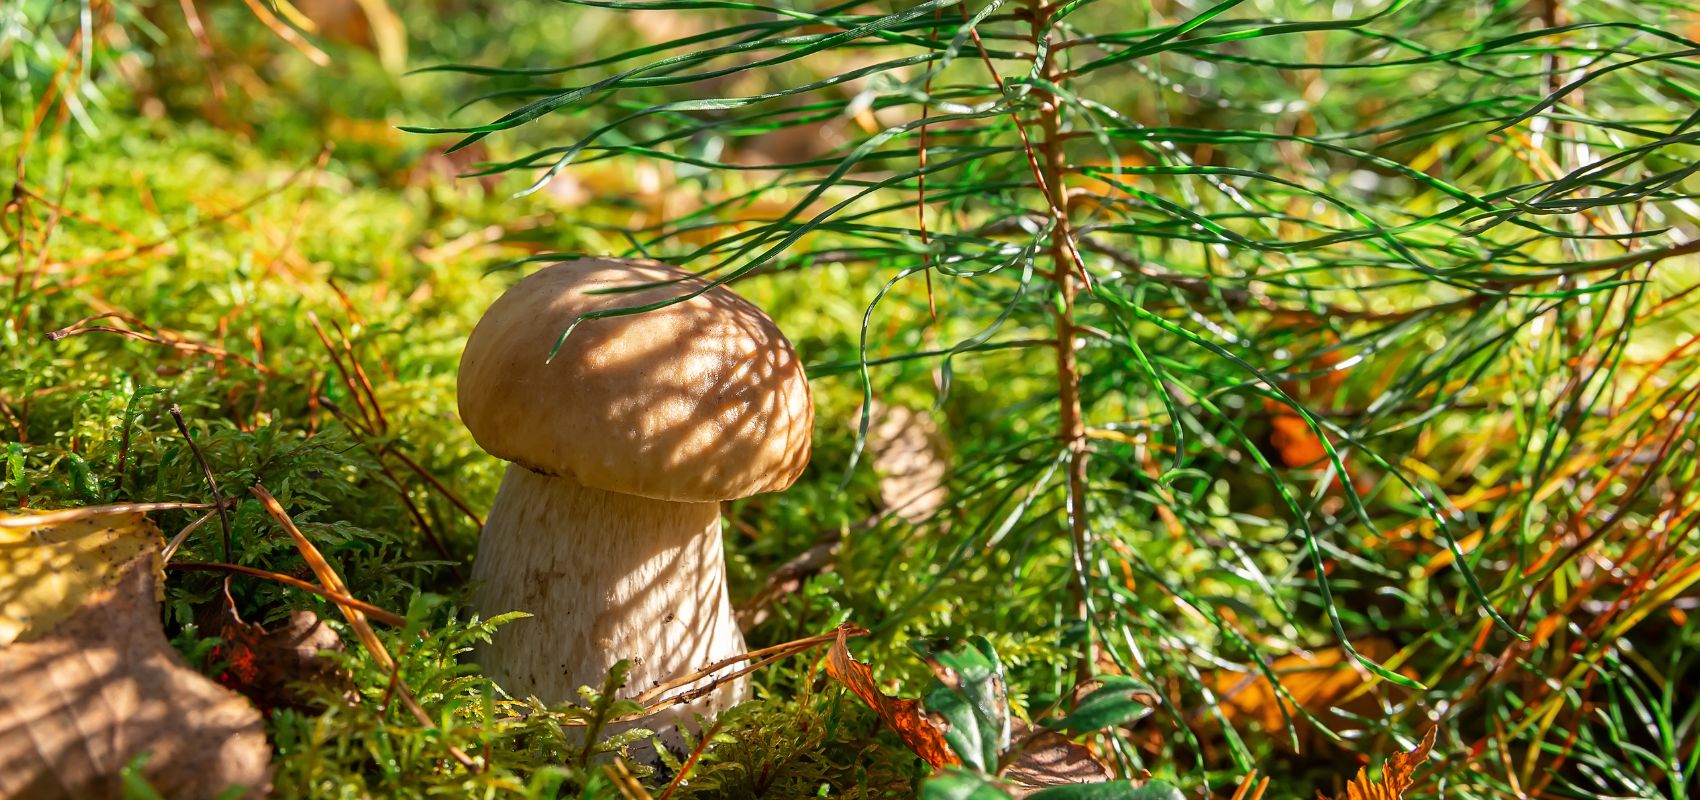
[[1395, 774], [902, 716], [1051, 759], [104, 688], [274, 668], [909, 457], [1318, 682]]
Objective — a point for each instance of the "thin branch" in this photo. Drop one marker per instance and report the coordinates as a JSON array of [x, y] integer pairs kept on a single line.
[[387, 617], [355, 616], [206, 471]]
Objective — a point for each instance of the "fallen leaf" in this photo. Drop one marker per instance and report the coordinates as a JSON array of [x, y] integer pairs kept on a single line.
[[105, 687], [908, 455], [1319, 682], [1298, 444], [1050, 759], [45, 572], [1395, 774], [274, 667], [903, 716]]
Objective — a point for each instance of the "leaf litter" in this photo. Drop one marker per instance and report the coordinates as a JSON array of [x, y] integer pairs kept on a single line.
[[102, 687]]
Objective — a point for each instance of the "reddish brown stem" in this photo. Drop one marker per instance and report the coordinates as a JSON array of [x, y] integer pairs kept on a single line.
[[1053, 165], [379, 614]]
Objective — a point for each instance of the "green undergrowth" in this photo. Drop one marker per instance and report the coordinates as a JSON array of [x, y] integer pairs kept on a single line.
[[256, 244], [235, 297]]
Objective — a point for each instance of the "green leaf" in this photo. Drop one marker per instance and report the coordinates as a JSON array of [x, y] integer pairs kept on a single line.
[[15, 470], [82, 478], [969, 694], [959, 784], [1114, 702], [133, 784]]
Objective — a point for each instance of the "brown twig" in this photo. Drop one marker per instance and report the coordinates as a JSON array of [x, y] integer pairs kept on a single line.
[[287, 34], [367, 420], [206, 471], [17, 424], [362, 427], [1251, 788], [375, 612], [186, 346], [204, 48], [767, 655], [182, 536], [419, 518], [361, 433], [172, 235], [390, 687], [300, 218], [365, 383], [326, 574], [696, 753], [1055, 199], [625, 782], [789, 577], [54, 215], [1063, 254], [650, 698], [454, 500], [355, 616], [371, 424]]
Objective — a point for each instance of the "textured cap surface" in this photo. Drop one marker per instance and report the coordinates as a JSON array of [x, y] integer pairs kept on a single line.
[[698, 401]]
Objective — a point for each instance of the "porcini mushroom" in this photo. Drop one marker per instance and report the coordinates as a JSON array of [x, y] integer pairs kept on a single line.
[[607, 524]]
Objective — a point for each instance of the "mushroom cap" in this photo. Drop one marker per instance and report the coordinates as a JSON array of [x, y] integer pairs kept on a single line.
[[699, 401]]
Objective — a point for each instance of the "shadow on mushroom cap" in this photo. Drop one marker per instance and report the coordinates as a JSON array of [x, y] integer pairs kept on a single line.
[[698, 401]]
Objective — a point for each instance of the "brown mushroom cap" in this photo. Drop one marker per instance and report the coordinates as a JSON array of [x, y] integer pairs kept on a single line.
[[699, 401]]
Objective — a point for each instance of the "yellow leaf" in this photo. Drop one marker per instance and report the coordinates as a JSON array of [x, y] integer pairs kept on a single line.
[[47, 569]]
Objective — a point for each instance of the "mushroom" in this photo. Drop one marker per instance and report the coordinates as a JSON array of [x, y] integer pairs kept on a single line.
[[607, 524]]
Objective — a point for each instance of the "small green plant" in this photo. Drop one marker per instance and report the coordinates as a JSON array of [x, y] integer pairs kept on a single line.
[[969, 703], [1213, 295], [1251, 328]]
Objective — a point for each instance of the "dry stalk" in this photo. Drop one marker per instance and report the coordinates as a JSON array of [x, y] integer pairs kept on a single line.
[[762, 657], [356, 617], [177, 233], [387, 617], [1251, 788], [766, 656], [625, 782], [176, 344], [696, 753], [206, 472], [183, 535]]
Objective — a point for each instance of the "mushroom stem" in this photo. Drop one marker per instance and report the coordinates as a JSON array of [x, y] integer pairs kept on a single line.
[[606, 576]]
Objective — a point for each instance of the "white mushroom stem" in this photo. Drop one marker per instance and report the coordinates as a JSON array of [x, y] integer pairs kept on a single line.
[[606, 576]]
